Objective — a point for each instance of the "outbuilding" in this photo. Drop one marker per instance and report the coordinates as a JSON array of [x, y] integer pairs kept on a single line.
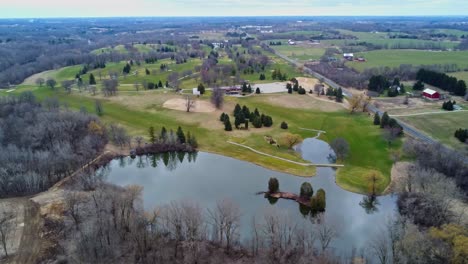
[[431, 94]]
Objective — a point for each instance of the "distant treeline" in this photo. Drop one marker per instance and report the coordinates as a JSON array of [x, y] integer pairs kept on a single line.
[[442, 81]]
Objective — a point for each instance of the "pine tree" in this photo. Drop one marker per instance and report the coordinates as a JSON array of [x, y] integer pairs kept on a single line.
[[376, 119], [180, 135], [227, 125], [92, 80], [163, 135], [201, 88], [257, 122], [160, 85], [257, 91], [246, 111], [339, 95], [222, 117], [384, 121], [151, 135], [147, 72], [237, 109]]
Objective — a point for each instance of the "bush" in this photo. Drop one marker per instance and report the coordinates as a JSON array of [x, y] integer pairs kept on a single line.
[[273, 185], [306, 190], [257, 122], [461, 134], [284, 125], [318, 202], [376, 119]]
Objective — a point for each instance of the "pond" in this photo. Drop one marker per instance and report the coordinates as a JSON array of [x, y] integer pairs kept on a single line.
[[207, 178]]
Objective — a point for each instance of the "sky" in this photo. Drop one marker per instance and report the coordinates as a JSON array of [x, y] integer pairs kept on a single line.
[[125, 8]]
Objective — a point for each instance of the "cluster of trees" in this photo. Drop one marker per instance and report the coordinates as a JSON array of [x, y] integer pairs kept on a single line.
[[168, 141], [379, 83], [243, 116], [293, 85], [151, 60], [226, 121], [41, 145], [246, 88], [262, 77], [442, 81], [431, 227], [275, 43], [392, 131], [449, 105], [418, 86], [461, 134], [337, 93], [278, 75]]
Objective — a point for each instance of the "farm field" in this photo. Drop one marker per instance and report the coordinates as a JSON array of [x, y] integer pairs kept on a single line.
[[395, 43], [441, 126], [303, 52], [463, 75], [394, 58]]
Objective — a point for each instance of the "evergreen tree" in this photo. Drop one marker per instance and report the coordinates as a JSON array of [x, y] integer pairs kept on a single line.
[[160, 85], [180, 135], [376, 119], [167, 84], [237, 109], [147, 72], [257, 122], [384, 121], [152, 137], [246, 111], [222, 117], [201, 88], [257, 91], [227, 124], [163, 135], [92, 80], [262, 77], [256, 112], [306, 190], [273, 185], [339, 95], [418, 86], [284, 125]]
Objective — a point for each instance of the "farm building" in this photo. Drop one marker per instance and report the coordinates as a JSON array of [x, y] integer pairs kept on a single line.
[[431, 94], [348, 56]]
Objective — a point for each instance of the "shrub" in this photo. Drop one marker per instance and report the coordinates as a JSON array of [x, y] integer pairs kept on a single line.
[[284, 125], [376, 119], [273, 185]]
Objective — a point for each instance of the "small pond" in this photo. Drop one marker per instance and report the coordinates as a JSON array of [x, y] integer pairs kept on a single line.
[[207, 178]]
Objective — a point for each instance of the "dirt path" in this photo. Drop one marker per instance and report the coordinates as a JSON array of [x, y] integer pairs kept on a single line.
[[30, 243]]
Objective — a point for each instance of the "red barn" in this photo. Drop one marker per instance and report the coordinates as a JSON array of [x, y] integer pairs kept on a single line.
[[431, 94]]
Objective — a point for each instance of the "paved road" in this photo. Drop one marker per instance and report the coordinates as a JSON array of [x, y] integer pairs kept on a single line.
[[411, 131]]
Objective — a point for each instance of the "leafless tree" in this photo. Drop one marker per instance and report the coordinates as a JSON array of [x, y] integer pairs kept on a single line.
[[189, 103], [73, 201], [225, 219], [217, 97], [318, 88], [67, 84], [137, 86], [341, 148], [326, 231], [40, 81], [7, 226], [380, 247]]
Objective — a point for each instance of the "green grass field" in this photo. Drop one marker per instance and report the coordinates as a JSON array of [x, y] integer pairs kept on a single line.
[[441, 127], [118, 48], [300, 53], [394, 58], [395, 43], [460, 75], [365, 139]]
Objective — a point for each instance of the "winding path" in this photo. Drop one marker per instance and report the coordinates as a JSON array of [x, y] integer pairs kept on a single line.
[[283, 159]]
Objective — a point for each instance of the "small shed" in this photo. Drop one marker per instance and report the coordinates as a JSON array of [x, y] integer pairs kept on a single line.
[[431, 94], [348, 56], [195, 91]]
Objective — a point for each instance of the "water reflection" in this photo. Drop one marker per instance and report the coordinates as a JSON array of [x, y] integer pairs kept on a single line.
[[207, 178]]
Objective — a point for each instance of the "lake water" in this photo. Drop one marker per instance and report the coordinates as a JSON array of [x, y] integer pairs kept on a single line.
[[206, 178]]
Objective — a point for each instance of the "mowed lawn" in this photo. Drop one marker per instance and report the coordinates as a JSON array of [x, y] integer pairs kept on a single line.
[[368, 152], [394, 58], [441, 126], [463, 75]]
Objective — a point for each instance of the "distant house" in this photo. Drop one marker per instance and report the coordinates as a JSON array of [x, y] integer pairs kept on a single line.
[[195, 91], [348, 56], [291, 42], [431, 94]]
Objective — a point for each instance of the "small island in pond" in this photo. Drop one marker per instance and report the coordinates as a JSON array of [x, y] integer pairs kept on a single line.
[[315, 203]]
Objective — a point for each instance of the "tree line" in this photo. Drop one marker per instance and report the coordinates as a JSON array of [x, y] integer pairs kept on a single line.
[[242, 117], [443, 81]]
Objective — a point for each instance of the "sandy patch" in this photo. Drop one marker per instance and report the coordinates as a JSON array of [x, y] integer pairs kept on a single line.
[[307, 83], [180, 104]]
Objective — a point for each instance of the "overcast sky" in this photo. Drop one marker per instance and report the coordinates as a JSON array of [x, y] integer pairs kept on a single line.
[[109, 8]]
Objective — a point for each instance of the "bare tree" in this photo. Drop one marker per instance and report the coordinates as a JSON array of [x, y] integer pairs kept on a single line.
[[355, 102], [73, 201], [225, 219], [40, 81], [6, 228], [137, 86], [217, 97], [67, 84], [318, 88], [341, 148], [189, 103], [380, 247], [325, 231]]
